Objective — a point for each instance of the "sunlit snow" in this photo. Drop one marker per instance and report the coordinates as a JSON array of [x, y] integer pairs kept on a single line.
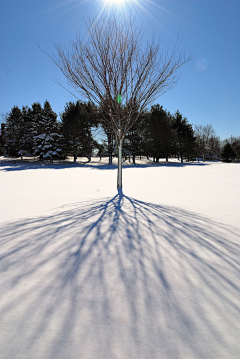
[[86, 272]]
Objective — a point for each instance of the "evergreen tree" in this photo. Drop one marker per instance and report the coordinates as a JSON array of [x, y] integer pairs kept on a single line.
[[71, 128], [109, 134], [235, 143], [133, 141], [13, 132], [237, 152], [76, 122], [185, 140], [37, 128], [228, 153], [2, 138], [27, 136], [159, 135], [48, 142], [189, 143]]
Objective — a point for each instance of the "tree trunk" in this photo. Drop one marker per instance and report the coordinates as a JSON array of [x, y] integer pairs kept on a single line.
[[110, 159], [89, 157], [133, 157], [110, 149], [119, 175], [74, 154]]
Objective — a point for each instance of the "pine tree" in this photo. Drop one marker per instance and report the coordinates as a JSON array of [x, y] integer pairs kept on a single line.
[[2, 138], [109, 140], [237, 151], [27, 136], [185, 140], [159, 135], [235, 143], [189, 143], [48, 142], [76, 129], [13, 132], [228, 153]]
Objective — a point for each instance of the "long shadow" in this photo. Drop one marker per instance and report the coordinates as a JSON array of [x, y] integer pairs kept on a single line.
[[21, 166], [119, 278]]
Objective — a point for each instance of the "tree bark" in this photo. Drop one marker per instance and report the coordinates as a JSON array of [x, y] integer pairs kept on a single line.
[[133, 157], [119, 175], [110, 159], [74, 154]]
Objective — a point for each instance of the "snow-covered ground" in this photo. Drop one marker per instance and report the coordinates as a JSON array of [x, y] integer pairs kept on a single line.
[[88, 273]]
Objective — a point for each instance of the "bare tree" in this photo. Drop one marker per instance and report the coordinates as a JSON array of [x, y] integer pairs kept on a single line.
[[112, 61], [207, 141]]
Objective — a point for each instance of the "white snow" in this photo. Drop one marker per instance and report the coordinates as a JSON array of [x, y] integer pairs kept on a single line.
[[87, 273]]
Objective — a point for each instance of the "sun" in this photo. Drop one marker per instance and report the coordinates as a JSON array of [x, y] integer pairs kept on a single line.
[[116, 2]]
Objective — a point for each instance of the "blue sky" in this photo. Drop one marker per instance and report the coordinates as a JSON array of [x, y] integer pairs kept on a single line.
[[208, 91]]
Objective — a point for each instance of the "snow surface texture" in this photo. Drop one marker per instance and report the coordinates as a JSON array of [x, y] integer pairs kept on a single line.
[[86, 272]]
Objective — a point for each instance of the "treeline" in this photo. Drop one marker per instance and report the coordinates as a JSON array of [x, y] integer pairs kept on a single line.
[[35, 131]]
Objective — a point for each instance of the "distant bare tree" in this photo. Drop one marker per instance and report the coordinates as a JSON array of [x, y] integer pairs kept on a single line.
[[113, 61], [207, 141], [3, 117], [215, 147]]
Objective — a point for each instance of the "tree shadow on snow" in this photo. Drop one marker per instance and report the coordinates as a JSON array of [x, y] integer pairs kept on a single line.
[[21, 166], [119, 276]]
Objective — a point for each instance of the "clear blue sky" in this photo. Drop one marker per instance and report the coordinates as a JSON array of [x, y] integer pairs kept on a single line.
[[209, 88]]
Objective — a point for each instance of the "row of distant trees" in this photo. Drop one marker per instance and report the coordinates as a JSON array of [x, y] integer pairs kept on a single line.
[[35, 131]]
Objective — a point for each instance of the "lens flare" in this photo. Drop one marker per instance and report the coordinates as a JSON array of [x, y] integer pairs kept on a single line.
[[201, 64]]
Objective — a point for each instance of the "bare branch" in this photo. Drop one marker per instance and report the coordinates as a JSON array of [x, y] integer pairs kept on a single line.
[[112, 61]]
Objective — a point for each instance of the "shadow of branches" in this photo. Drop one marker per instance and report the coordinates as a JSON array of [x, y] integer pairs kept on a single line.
[[119, 278], [57, 165]]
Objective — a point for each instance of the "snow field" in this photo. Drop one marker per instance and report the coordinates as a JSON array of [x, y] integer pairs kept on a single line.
[[86, 273]]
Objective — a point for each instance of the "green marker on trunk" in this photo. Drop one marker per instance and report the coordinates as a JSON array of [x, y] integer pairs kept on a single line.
[[119, 98]]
